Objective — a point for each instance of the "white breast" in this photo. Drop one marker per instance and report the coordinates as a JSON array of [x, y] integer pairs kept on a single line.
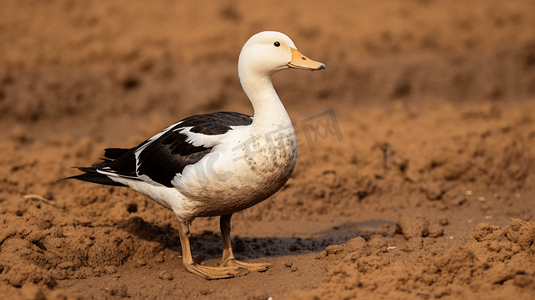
[[240, 172]]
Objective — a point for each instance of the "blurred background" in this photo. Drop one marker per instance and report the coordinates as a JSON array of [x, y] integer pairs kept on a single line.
[[79, 65]]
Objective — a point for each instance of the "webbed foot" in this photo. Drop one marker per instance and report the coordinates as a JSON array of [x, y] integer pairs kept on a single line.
[[257, 267], [220, 272]]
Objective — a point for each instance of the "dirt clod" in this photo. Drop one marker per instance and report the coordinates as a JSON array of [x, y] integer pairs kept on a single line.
[[412, 226]]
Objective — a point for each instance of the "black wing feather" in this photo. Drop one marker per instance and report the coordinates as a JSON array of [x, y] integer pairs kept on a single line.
[[162, 159], [165, 156], [216, 123], [93, 176], [114, 153]]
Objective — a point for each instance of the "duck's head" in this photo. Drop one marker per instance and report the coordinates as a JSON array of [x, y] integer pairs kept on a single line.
[[269, 51]]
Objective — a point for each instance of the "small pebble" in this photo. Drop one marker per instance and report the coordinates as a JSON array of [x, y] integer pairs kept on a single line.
[[443, 221], [110, 269], [165, 275]]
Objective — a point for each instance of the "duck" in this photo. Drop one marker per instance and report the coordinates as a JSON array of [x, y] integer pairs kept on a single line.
[[219, 163]]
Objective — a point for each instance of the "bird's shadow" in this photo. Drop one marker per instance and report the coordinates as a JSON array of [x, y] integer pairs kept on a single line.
[[208, 245]]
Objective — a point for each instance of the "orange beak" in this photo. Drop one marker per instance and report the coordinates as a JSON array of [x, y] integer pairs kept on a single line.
[[299, 61]]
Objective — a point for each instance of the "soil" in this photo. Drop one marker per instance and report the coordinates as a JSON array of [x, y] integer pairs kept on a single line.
[[415, 177]]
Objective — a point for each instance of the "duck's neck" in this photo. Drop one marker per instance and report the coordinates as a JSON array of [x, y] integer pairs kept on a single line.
[[269, 112]]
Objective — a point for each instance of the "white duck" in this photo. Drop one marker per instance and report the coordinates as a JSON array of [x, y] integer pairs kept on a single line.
[[219, 163]]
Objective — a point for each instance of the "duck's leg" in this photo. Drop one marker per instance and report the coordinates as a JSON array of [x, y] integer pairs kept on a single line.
[[228, 259], [203, 271]]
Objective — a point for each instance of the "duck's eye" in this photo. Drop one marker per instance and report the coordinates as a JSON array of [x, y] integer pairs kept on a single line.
[[277, 44]]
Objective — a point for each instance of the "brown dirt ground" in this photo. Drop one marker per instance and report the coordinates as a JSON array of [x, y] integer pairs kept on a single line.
[[430, 193]]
